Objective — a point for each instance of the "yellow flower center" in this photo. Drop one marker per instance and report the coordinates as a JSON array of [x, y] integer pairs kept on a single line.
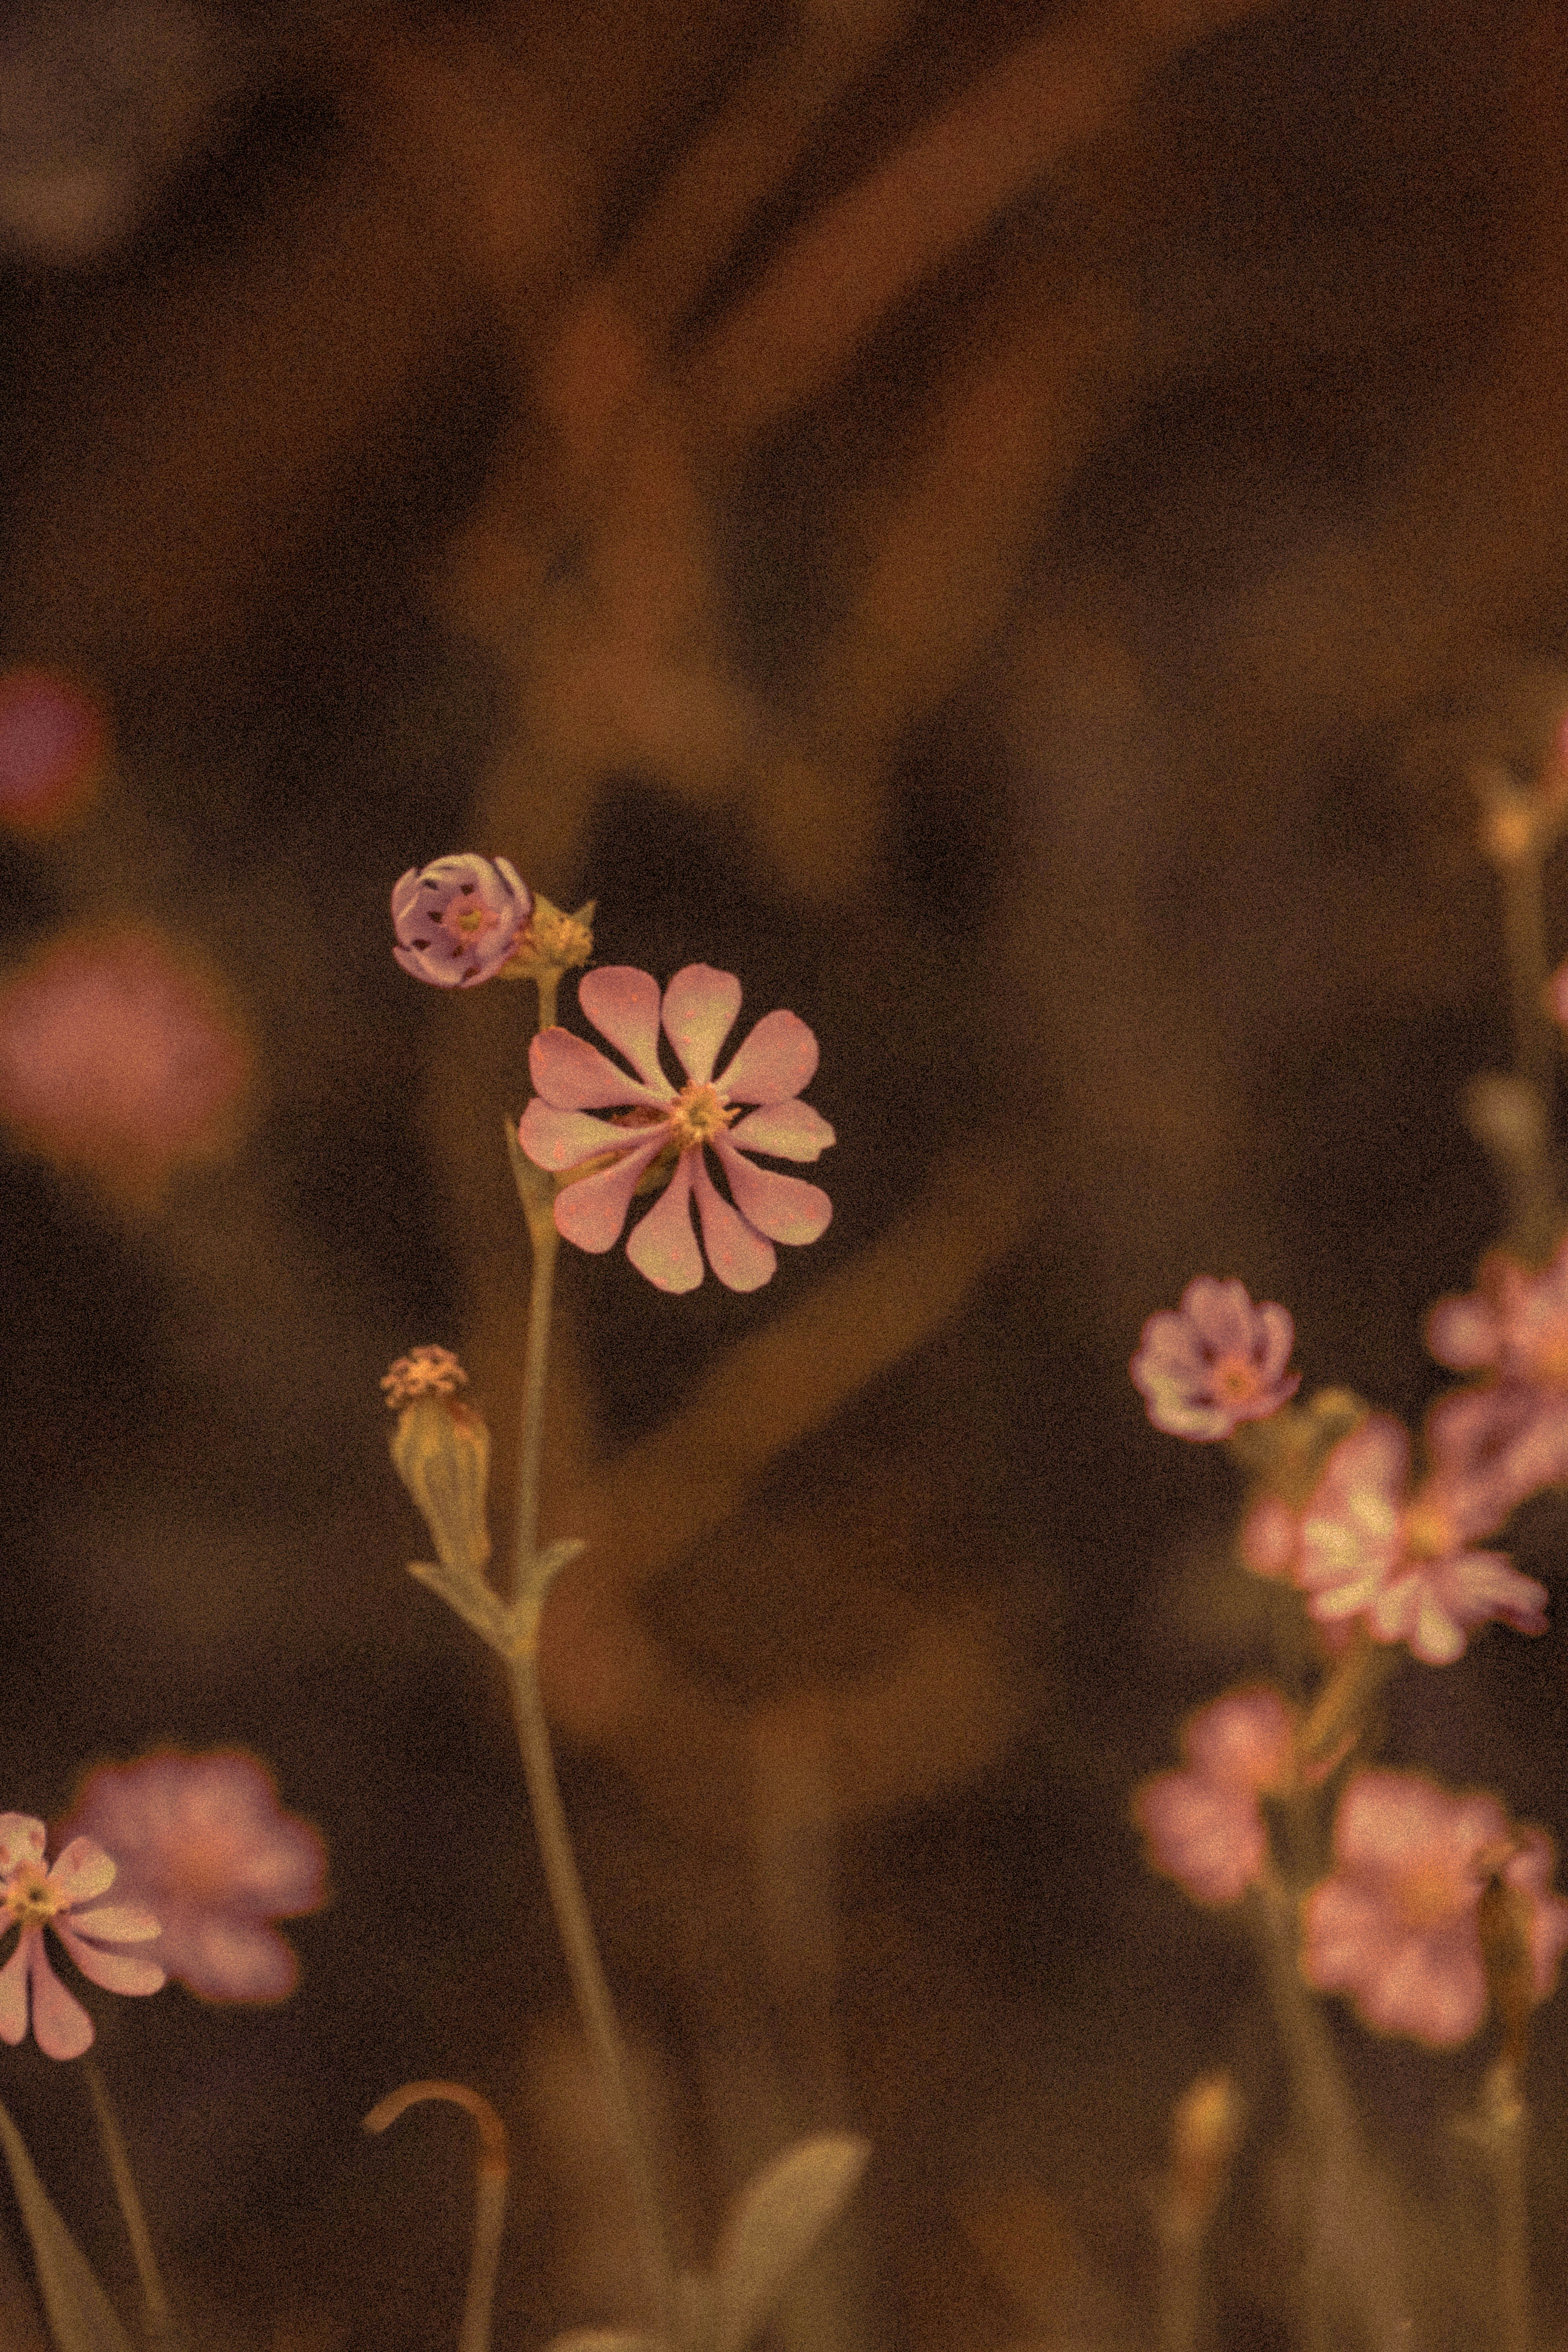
[[1428, 1530], [696, 1115], [1429, 1895], [1235, 1378], [29, 1897]]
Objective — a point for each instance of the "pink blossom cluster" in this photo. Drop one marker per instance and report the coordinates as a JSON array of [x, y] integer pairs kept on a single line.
[[1397, 1927], [1203, 1824], [1512, 1330]]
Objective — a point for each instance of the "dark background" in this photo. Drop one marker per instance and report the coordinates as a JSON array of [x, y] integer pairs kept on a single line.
[[1052, 666]]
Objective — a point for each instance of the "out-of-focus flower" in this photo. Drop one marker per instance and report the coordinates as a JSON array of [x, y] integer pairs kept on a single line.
[[425, 1372], [458, 919], [52, 746], [1203, 1824], [1370, 1548], [32, 1898], [1557, 993], [654, 1117], [1514, 1326], [203, 1840], [1395, 1926], [116, 1056], [1215, 1362]]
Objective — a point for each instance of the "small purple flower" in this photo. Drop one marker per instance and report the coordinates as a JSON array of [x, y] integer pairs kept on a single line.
[[1203, 1825], [653, 1118], [1218, 1361], [459, 919], [1396, 1927], [204, 1840]]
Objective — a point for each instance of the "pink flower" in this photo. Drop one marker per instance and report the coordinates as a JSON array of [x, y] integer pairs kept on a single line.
[[1217, 1361], [1513, 1325], [458, 920], [655, 1119], [52, 744], [32, 1898], [1203, 1826], [1369, 1549], [204, 1840], [1557, 993], [116, 1056], [1395, 1926]]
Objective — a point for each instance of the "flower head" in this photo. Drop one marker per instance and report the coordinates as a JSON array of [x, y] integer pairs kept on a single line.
[[458, 920], [32, 1898], [1370, 1548], [605, 1160], [1217, 1361], [1203, 1825], [1396, 1925], [52, 742], [115, 1055], [204, 1840], [426, 1372]]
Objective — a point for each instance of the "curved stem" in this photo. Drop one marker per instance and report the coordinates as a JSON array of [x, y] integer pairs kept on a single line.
[[592, 1994], [489, 2195]]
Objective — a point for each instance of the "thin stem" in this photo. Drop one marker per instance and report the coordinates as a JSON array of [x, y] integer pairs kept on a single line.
[[1505, 2133], [490, 2194], [589, 1986], [162, 2327], [546, 1243], [1524, 933], [1181, 2236]]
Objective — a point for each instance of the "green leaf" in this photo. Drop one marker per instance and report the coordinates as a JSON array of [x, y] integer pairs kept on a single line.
[[777, 2219], [80, 2315]]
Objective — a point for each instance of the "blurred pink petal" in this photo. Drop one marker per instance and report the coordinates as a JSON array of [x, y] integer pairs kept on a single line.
[[52, 749], [204, 1841], [1203, 1824]]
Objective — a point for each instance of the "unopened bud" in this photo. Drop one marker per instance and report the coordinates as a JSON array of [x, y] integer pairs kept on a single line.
[[551, 943], [441, 1451]]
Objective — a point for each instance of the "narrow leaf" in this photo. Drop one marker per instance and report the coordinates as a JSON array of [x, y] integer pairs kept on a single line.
[[777, 2219], [471, 1597], [80, 2315]]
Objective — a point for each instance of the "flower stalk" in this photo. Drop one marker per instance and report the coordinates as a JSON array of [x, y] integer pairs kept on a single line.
[[162, 2328]]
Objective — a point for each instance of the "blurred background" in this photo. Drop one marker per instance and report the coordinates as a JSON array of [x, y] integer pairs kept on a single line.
[[1008, 526]]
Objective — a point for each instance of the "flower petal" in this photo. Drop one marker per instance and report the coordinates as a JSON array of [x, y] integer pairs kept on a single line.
[[82, 1871], [115, 1971], [699, 1009], [592, 1213], [736, 1253], [664, 1247], [228, 1958], [785, 1130], [21, 1840], [623, 1005], [776, 1060], [14, 1991], [564, 1139], [571, 1075], [783, 1207], [61, 2027], [117, 1923]]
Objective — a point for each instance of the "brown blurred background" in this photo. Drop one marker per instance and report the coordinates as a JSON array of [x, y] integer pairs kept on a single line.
[[1004, 525]]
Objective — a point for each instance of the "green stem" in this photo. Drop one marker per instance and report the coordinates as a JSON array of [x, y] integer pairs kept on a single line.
[[162, 2327], [1503, 2138], [546, 1244], [588, 1985]]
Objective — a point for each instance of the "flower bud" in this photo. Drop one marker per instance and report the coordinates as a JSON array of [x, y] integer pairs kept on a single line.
[[441, 1451], [551, 942]]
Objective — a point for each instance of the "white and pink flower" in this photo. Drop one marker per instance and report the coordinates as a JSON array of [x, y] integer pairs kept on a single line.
[[1215, 1362], [1203, 1824], [33, 1898], [1370, 1548], [1397, 1927], [605, 1160]]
